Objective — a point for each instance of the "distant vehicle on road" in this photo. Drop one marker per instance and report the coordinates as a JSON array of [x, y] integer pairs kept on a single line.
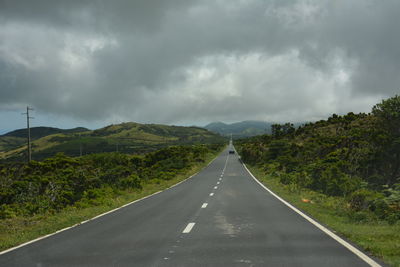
[[231, 151]]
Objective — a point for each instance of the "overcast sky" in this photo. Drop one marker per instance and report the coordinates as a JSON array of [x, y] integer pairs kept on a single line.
[[96, 62]]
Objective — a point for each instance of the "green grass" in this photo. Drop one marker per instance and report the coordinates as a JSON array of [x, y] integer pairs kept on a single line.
[[17, 230], [10, 142], [377, 238]]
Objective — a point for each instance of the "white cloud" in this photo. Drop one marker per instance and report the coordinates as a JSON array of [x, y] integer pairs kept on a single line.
[[198, 61]]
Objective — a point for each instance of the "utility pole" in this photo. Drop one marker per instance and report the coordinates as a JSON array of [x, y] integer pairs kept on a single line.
[[29, 132], [80, 145]]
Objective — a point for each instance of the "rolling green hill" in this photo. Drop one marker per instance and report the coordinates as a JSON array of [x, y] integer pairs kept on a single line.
[[10, 142], [127, 137], [17, 138], [38, 132]]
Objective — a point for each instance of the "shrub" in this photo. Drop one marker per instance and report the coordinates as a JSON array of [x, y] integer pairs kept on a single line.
[[380, 208], [61, 181], [132, 181], [362, 199], [6, 212]]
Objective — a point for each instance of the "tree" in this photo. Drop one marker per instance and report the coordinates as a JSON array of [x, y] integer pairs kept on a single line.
[[388, 113], [388, 122], [279, 130]]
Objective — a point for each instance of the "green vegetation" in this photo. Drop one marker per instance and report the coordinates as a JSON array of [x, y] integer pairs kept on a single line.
[[377, 237], [41, 197], [239, 129], [39, 132], [17, 138], [346, 170], [125, 137], [10, 142]]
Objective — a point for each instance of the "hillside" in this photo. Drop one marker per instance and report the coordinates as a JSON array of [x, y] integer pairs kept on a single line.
[[125, 137], [17, 138], [356, 156], [240, 129], [38, 132], [344, 171], [243, 129]]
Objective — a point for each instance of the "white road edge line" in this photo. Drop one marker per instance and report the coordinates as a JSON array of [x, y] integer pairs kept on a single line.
[[344, 243], [188, 228], [77, 224], [226, 162], [204, 205], [98, 216], [211, 194]]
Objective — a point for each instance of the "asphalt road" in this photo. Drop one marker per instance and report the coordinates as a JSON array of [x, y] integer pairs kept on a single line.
[[219, 217]]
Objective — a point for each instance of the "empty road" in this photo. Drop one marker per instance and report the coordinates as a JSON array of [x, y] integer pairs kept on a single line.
[[219, 217]]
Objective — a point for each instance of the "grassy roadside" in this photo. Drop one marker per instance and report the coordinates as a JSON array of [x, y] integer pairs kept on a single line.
[[378, 238], [17, 230]]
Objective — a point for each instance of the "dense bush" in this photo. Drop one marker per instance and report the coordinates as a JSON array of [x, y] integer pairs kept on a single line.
[[356, 156], [60, 181]]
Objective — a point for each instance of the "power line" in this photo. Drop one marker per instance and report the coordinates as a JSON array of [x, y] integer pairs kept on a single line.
[[29, 132]]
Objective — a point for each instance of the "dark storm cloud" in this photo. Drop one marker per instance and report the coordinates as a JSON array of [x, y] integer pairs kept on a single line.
[[197, 61]]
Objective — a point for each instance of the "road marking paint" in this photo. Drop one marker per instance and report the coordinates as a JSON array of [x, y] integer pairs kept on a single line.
[[204, 205], [215, 187], [188, 228], [77, 224], [226, 162], [98, 216], [220, 179], [211, 194], [341, 241], [218, 182]]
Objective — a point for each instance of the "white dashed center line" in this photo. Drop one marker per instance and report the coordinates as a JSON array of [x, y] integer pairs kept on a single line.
[[217, 182], [215, 187], [188, 228], [204, 205], [211, 194]]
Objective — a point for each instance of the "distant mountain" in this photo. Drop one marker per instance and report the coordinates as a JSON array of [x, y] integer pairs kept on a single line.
[[38, 132], [126, 137], [240, 129], [244, 128]]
